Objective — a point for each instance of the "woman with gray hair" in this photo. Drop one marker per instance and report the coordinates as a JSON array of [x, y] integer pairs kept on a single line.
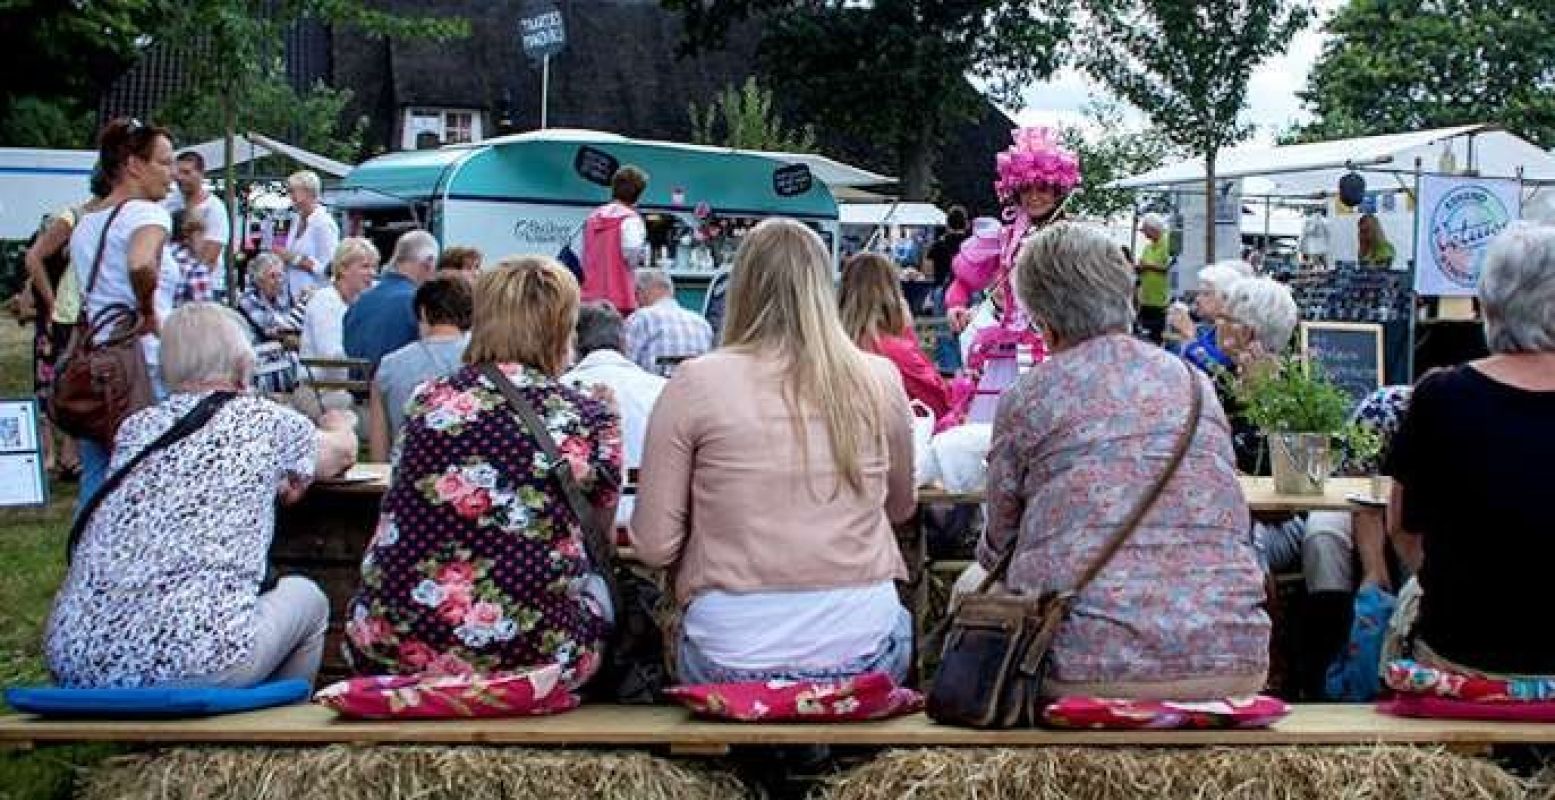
[[1177, 612], [1471, 468], [1199, 345], [167, 562]]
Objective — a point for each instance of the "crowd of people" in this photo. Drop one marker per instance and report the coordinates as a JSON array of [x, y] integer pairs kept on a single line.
[[773, 456]]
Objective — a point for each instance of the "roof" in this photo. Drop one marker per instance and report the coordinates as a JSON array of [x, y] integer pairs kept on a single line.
[[1314, 168]]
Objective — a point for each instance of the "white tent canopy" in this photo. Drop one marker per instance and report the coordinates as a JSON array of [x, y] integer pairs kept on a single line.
[[910, 214], [250, 146], [1309, 170]]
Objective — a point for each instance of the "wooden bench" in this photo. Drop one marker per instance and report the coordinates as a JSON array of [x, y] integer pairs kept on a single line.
[[673, 729], [360, 369]]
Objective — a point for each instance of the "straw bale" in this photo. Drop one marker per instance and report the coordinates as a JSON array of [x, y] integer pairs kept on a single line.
[[396, 773], [1243, 773]]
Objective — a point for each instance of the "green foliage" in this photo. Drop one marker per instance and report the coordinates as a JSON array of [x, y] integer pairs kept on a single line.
[[892, 73], [313, 120], [1115, 153], [61, 122], [1187, 65], [1402, 65], [743, 118], [1292, 395]]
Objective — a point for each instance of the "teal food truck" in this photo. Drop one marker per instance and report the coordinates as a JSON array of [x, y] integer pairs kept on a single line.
[[530, 193]]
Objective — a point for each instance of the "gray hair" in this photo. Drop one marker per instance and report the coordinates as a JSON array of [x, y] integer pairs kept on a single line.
[[264, 262], [1517, 290], [1076, 283], [305, 179], [599, 328], [205, 343], [1267, 306], [1219, 276], [1153, 222], [654, 278], [415, 247]]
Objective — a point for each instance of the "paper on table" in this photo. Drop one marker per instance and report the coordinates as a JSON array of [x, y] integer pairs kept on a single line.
[[21, 480]]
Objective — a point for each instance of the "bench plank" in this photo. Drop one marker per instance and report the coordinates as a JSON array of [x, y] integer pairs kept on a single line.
[[660, 726]]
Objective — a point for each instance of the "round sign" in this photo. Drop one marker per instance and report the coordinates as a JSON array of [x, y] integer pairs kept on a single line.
[[1462, 225]]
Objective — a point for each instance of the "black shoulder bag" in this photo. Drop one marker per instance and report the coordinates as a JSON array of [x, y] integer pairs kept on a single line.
[[186, 425], [634, 668]]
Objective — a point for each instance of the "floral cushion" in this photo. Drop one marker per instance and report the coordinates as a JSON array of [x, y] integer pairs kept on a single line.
[[1433, 707], [521, 694], [1413, 678], [1097, 713], [872, 695]]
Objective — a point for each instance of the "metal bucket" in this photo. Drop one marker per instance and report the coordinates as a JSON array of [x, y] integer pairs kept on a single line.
[[1301, 462]]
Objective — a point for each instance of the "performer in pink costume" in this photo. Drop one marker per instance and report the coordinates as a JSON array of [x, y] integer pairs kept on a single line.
[[1035, 176]]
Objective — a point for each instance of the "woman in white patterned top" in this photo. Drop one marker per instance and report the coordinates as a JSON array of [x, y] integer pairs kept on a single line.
[[164, 586]]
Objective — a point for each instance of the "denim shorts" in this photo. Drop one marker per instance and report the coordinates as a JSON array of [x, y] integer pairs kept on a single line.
[[893, 657]]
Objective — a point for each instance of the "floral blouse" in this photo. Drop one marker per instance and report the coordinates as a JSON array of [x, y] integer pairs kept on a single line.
[[1075, 443], [478, 565]]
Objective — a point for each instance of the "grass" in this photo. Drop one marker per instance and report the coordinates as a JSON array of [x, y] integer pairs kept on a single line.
[[32, 563]]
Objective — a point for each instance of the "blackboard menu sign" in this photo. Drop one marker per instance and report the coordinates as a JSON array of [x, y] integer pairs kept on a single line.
[[1349, 353], [595, 166], [792, 180]]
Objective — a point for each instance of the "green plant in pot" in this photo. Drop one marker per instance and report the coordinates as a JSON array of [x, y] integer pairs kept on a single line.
[[1302, 413]]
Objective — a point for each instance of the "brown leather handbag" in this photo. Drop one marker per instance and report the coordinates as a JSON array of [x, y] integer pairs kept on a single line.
[[996, 651], [101, 383]]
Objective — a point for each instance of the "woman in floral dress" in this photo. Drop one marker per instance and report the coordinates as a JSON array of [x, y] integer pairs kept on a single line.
[[478, 563]]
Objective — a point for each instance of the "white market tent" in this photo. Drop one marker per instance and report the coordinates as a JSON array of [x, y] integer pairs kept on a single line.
[[1313, 170], [250, 146], [920, 215]]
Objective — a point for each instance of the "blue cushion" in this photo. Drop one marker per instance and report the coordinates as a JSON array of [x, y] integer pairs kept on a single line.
[[53, 701]]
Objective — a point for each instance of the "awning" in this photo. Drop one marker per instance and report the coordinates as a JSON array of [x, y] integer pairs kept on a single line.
[[872, 214], [251, 146]]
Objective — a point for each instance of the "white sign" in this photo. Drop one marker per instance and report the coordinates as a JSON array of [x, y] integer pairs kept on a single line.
[[1457, 220], [21, 463]]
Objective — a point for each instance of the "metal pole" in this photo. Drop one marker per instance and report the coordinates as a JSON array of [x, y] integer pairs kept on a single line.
[[1414, 269], [545, 89]]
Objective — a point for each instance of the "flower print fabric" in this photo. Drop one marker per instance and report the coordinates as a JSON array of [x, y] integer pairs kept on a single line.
[[478, 564]]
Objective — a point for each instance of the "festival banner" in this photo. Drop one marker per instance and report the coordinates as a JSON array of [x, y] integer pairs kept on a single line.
[[1458, 219]]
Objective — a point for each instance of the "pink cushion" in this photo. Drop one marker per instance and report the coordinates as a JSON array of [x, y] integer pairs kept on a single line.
[[1421, 705], [520, 694], [1097, 713], [1411, 677], [872, 695]]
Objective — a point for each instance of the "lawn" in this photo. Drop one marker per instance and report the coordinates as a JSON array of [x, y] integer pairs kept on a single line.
[[32, 562]]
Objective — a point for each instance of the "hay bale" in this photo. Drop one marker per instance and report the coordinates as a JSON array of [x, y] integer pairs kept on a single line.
[[1241, 773], [395, 773]]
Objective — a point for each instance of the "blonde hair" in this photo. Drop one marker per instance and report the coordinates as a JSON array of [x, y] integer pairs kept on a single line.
[[526, 308], [307, 180], [781, 302], [203, 343], [353, 248], [871, 299]]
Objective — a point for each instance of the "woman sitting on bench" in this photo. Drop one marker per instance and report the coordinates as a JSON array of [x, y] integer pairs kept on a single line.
[[1176, 614], [481, 563], [1472, 464], [773, 469], [165, 587]]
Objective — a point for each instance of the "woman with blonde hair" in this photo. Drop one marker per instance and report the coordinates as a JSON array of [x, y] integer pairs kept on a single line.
[[874, 315], [479, 563], [773, 469]]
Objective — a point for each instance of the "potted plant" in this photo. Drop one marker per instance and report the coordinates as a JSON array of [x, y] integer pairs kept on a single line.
[[1301, 412]]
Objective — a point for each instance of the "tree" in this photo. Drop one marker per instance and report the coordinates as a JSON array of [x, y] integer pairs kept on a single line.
[[743, 118], [1186, 65], [1402, 65], [1116, 152], [891, 72]]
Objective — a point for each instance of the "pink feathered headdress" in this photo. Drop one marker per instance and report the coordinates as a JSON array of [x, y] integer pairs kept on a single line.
[[1035, 159]]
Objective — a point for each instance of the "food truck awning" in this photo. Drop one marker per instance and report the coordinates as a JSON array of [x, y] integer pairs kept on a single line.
[[1313, 169]]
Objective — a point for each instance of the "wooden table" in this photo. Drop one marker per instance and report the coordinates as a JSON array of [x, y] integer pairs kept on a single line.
[[1259, 492]]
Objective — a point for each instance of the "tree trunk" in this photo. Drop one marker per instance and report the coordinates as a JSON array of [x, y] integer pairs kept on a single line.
[[1209, 207], [229, 179], [917, 160]]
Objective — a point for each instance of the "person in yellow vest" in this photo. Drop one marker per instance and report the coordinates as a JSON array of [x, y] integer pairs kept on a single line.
[[1154, 291]]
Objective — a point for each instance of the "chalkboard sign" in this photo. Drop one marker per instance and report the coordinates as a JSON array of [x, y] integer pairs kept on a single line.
[[595, 166], [1350, 354], [541, 31], [792, 180]]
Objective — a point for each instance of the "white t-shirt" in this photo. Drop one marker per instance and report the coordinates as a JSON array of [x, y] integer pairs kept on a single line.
[[814, 629], [113, 279], [218, 228], [318, 240], [323, 331], [636, 391]]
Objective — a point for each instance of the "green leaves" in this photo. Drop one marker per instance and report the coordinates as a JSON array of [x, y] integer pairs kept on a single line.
[[312, 120], [1399, 65], [1292, 395], [744, 118], [1116, 153]]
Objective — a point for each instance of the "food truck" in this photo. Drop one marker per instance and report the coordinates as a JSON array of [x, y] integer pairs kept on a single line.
[[530, 194]]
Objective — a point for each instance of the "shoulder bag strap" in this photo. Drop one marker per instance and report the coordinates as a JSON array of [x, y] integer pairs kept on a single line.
[[97, 261], [1141, 507], [597, 542], [180, 430]]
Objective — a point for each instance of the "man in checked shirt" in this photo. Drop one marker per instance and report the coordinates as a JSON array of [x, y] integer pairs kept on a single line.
[[661, 334]]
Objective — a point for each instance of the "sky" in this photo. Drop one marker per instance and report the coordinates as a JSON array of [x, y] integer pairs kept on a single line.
[[1272, 102]]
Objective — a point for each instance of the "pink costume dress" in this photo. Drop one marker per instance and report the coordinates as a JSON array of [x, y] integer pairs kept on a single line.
[[993, 364]]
